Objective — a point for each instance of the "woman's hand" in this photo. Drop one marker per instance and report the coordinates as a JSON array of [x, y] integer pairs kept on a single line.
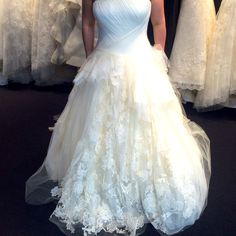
[[158, 47]]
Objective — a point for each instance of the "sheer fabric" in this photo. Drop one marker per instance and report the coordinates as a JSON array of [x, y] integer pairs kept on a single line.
[[220, 85], [67, 31], [189, 55], [43, 44], [123, 153], [15, 33], [27, 42]]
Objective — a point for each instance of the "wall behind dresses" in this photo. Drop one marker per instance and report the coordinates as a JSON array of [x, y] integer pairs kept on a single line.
[[217, 4], [172, 9]]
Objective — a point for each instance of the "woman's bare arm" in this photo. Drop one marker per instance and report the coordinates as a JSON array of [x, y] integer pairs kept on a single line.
[[159, 23], [88, 23]]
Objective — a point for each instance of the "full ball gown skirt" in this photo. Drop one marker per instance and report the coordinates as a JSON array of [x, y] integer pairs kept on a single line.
[[122, 153], [220, 85]]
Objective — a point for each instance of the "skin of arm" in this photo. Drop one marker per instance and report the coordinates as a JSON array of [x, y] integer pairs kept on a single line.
[[158, 23], [88, 25]]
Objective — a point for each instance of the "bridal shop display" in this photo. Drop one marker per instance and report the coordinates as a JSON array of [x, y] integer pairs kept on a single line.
[[220, 78], [203, 59], [41, 39], [36, 37]]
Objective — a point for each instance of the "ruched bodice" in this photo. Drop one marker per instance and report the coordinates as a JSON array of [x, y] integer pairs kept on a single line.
[[122, 23]]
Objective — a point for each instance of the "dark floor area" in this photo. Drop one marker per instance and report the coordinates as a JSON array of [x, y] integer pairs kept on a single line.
[[25, 114]]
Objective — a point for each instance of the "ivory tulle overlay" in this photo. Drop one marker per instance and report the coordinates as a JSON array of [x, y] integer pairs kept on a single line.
[[220, 85], [67, 32], [15, 40], [123, 154], [189, 54]]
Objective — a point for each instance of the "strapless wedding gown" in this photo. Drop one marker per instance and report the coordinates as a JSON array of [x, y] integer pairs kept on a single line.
[[122, 153]]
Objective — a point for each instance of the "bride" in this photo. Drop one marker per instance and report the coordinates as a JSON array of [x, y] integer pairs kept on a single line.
[[122, 153]]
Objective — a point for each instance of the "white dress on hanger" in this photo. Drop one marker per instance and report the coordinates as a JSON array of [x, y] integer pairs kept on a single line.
[[189, 54], [123, 153], [220, 84], [67, 31], [26, 43], [43, 44], [15, 40]]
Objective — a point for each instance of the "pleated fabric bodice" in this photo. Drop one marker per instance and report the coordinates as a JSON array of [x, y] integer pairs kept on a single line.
[[122, 24]]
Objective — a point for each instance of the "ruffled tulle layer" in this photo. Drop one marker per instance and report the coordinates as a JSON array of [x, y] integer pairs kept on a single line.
[[67, 32], [122, 153]]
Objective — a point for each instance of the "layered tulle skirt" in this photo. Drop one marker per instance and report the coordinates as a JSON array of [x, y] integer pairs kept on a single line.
[[123, 153]]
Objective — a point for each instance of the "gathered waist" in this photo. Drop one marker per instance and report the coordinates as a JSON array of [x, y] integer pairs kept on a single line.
[[129, 45]]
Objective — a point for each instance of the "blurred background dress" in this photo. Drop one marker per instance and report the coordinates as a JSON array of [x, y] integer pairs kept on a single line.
[[220, 84], [41, 41], [36, 38], [15, 40], [189, 54]]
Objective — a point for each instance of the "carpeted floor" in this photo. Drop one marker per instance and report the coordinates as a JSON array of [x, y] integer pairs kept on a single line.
[[25, 114]]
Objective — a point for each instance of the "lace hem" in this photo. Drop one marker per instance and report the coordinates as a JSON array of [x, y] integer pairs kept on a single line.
[[215, 104], [127, 225], [184, 86]]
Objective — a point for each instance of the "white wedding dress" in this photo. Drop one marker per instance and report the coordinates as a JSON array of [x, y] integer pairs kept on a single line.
[[15, 40], [30, 41], [67, 32], [189, 54], [220, 85], [123, 154]]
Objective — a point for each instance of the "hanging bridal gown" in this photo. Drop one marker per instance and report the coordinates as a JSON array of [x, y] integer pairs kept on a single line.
[[122, 153], [43, 45], [3, 79], [15, 40], [67, 32], [189, 54], [220, 85]]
